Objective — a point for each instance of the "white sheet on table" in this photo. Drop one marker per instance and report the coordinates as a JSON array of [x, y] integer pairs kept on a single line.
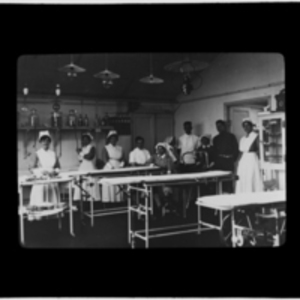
[[107, 172], [62, 179], [234, 200], [163, 178]]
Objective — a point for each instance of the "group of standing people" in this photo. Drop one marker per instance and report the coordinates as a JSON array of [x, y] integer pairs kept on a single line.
[[187, 154]]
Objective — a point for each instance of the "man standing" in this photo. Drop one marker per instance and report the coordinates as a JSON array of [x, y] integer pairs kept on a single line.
[[226, 152], [188, 144]]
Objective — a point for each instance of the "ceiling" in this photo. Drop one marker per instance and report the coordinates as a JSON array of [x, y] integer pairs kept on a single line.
[[40, 73]]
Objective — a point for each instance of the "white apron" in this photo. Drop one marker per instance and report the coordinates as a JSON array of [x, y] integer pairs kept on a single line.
[[250, 180], [87, 165], [112, 193], [43, 194]]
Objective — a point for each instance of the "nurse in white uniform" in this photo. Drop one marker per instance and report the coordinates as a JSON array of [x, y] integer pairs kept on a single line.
[[113, 157], [44, 164], [250, 180], [87, 159]]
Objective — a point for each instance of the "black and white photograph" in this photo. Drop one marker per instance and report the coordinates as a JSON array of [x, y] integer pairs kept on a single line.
[[140, 150]]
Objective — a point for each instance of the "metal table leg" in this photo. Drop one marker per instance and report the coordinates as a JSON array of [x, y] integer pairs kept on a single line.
[[129, 215], [59, 216], [70, 208], [21, 216], [199, 219], [147, 220], [233, 236]]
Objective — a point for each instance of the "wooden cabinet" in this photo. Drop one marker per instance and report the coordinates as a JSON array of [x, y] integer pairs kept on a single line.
[[272, 134], [153, 128]]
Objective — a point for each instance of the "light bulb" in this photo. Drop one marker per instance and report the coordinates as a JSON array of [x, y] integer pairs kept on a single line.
[[57, 90], [25, 91], [107, 83]]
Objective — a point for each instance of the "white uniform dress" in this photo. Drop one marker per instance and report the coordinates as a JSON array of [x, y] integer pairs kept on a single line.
[[44, 194], [139, 156], [250, 180], [88, 165], [111, 193]]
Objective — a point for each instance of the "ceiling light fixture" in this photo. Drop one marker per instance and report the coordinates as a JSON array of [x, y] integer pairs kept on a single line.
[[71, 69], [107, 76], [151, 79]]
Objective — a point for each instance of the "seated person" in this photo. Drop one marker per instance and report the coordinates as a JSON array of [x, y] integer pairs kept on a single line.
[[204, 158], [204, 154], [139, 156], [163, 195]]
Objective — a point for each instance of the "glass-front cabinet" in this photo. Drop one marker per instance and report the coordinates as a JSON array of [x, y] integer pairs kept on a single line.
[[272, 145]]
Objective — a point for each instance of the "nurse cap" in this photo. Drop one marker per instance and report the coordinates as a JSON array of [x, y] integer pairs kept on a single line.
[[88, 135], [43, 134], [111, 133]]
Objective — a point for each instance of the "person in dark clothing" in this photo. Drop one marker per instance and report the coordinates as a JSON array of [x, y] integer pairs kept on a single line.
[[204, 157], [226, 151]]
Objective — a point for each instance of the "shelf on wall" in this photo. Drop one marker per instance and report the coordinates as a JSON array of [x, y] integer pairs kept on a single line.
[[97, 129]]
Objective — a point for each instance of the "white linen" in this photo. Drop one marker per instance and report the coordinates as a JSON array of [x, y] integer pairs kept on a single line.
[[233, 200], [163, 178]]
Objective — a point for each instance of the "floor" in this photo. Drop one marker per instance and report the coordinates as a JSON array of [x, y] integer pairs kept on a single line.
[[112, 232]]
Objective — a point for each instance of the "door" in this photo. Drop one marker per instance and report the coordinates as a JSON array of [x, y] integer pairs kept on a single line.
[[143, 125], [237, 114], [163, 127]]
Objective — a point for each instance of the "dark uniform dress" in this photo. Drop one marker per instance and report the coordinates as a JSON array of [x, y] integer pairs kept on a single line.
[[226, 151]]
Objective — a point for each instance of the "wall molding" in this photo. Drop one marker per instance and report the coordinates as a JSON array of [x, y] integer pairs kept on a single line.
[[234, 92]]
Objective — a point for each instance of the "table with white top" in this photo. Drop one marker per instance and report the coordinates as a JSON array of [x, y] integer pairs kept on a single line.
[[146, 184], [79, 176], [231, 203], [28, 181]]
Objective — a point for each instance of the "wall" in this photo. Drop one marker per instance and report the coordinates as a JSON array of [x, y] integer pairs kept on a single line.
[[231, 77], [69, 160]]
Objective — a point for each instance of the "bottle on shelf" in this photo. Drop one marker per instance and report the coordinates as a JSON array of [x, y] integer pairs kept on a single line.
[[80, 121], [56, 119], [86, 121], [71, 118], [97, 121], [33, 119], [104, 121]]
